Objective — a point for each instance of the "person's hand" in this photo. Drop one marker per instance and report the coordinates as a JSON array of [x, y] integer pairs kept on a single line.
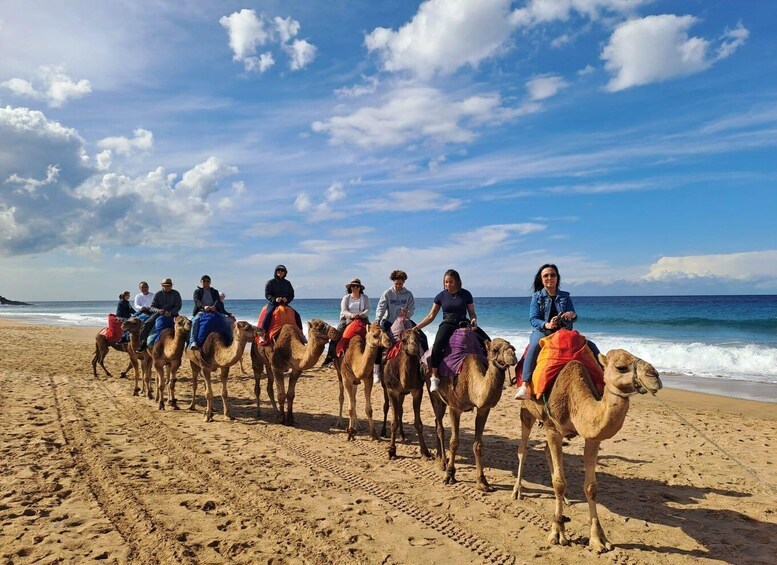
[[231, 317], [278, 300], [553, 323], [568, 316], [473, 322], [403, 312]]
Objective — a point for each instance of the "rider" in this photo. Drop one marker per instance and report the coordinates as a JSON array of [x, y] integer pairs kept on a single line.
[[124, 309], [395, 302], [354, 305], [143, 299], [166, 302], [456, 303], [550, 310], [278, 290], [206, 299]]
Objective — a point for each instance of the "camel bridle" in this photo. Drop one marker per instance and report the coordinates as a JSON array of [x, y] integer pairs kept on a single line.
[[636, 382]]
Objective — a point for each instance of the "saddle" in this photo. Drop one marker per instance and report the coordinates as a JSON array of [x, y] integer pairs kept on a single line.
[[113, 333], [282, 315], [211, 322], [356, 327], [463, 342]]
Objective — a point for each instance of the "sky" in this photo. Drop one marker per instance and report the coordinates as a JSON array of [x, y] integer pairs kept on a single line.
[[630, 142]]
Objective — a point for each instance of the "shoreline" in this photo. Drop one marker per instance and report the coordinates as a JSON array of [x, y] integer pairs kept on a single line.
[[759, 397]]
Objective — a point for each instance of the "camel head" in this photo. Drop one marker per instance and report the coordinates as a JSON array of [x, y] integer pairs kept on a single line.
[[411, 342], [244, 331], [501, 353], [318, 328], [629, 374], [376, 337], [132, 325], [182, 324]]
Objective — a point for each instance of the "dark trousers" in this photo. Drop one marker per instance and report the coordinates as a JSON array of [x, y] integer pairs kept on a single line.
[[268, 317], [148, 326]]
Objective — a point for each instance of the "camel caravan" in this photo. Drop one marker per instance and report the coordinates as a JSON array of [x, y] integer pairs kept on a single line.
[[566, 384]]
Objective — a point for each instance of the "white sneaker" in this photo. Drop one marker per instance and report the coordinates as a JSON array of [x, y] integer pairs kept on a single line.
[[523, 392], [434, 383], [376, 375]]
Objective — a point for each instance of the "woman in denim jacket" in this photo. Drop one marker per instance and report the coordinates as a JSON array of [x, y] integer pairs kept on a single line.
[[550, 309]]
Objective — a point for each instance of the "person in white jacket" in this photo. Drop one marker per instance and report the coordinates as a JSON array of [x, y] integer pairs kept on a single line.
[[354, 305]]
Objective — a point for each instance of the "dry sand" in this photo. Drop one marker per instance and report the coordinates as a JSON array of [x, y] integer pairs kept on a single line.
[[90, 473]]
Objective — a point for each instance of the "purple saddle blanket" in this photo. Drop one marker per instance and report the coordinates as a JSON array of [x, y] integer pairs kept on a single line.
[[463, 342]]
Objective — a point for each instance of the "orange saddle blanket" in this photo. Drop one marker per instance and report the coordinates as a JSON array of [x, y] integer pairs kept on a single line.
[[281, 316], [558, 349], [357, 327]]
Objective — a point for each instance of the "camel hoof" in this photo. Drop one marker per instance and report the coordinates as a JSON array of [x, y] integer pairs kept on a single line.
[[392, 453], [485, 487], [450, 477], [122, 375], [161, 405], [136, 392], [351, 434], [174, 405], [229, 417], [192, 407], [600, 547]]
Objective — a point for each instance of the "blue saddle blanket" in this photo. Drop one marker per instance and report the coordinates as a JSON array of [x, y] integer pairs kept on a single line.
[[214, 322], [161, 323]]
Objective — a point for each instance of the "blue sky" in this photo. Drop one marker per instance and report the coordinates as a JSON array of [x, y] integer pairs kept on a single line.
[[631, 142]]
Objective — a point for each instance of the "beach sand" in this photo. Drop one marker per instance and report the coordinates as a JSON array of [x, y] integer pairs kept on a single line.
[[90, 473]]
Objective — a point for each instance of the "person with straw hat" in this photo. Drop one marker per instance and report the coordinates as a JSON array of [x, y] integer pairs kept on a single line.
[[354, 305]]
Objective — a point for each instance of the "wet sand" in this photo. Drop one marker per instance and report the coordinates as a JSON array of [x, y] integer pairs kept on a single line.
[[89, 472]]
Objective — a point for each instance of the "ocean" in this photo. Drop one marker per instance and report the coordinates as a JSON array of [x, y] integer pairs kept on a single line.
[[719, 344]]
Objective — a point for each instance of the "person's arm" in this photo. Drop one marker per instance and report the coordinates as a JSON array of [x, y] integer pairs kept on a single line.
[[138, 307], [473, 318], [568, 316], [156, 304], [269, 291], [410, 305], [177, 303], [382, 308], [291, 293], [535, 316], [429, 317], [197, 297], [131, 309], [344, 312]]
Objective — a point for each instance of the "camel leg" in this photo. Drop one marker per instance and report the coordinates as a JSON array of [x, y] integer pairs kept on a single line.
[[138, 376], [99, 357], [557, 534], [171, 386], [439, 413], [450, 471], [293, 378], [195, 377], [160, 383], [280, 390], [396, 416], [257, 387], [133, 364], [418, 395], [224, 395], [341, 398], [271, 390], [598, 541], [351, 429], [386, 405], [477, 448], [368, 408], [208, 395], [527, 421]]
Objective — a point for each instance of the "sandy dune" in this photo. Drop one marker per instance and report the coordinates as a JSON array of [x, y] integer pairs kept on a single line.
[[90, 473]]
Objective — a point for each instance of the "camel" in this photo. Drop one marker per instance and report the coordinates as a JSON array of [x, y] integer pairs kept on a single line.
[[215, 354], [101, 348], [167, 354], [355, 366], [475, 387], [287, 353], [402, 376], [573, 409], [134, 326]]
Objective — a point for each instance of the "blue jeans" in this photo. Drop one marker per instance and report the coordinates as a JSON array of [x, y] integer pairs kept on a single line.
[[530, 362], [195, 330]]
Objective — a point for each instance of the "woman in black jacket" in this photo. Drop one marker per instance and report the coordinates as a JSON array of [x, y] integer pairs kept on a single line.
[[124, 310]]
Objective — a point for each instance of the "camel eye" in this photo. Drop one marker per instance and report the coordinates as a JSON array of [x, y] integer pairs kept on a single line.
[[623, 369]]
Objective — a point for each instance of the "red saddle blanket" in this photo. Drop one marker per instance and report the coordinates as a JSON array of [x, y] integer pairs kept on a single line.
[[558, 349], [357, 327], [281, 316], [113, 332]]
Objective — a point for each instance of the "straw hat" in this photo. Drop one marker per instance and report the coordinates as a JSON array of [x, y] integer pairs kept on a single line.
[[168, 280], [354, 281]]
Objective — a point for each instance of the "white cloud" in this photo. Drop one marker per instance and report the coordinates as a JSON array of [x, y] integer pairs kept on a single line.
[[303, 203], [335, 192], [55, 86], [301, 53], [247, 32], [753, 265], [56, 199], [369, 86], [544, 11], [443, 36], [412, 201], [417, 113], [143, 141], [657, 48], [732, 40], [545, 86]]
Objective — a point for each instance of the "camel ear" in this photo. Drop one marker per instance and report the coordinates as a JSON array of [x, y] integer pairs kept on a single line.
[[487, 344], [602, 360]]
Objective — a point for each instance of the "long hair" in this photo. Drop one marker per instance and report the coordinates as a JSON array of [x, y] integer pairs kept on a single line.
[[538, 286], [454, 275]]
